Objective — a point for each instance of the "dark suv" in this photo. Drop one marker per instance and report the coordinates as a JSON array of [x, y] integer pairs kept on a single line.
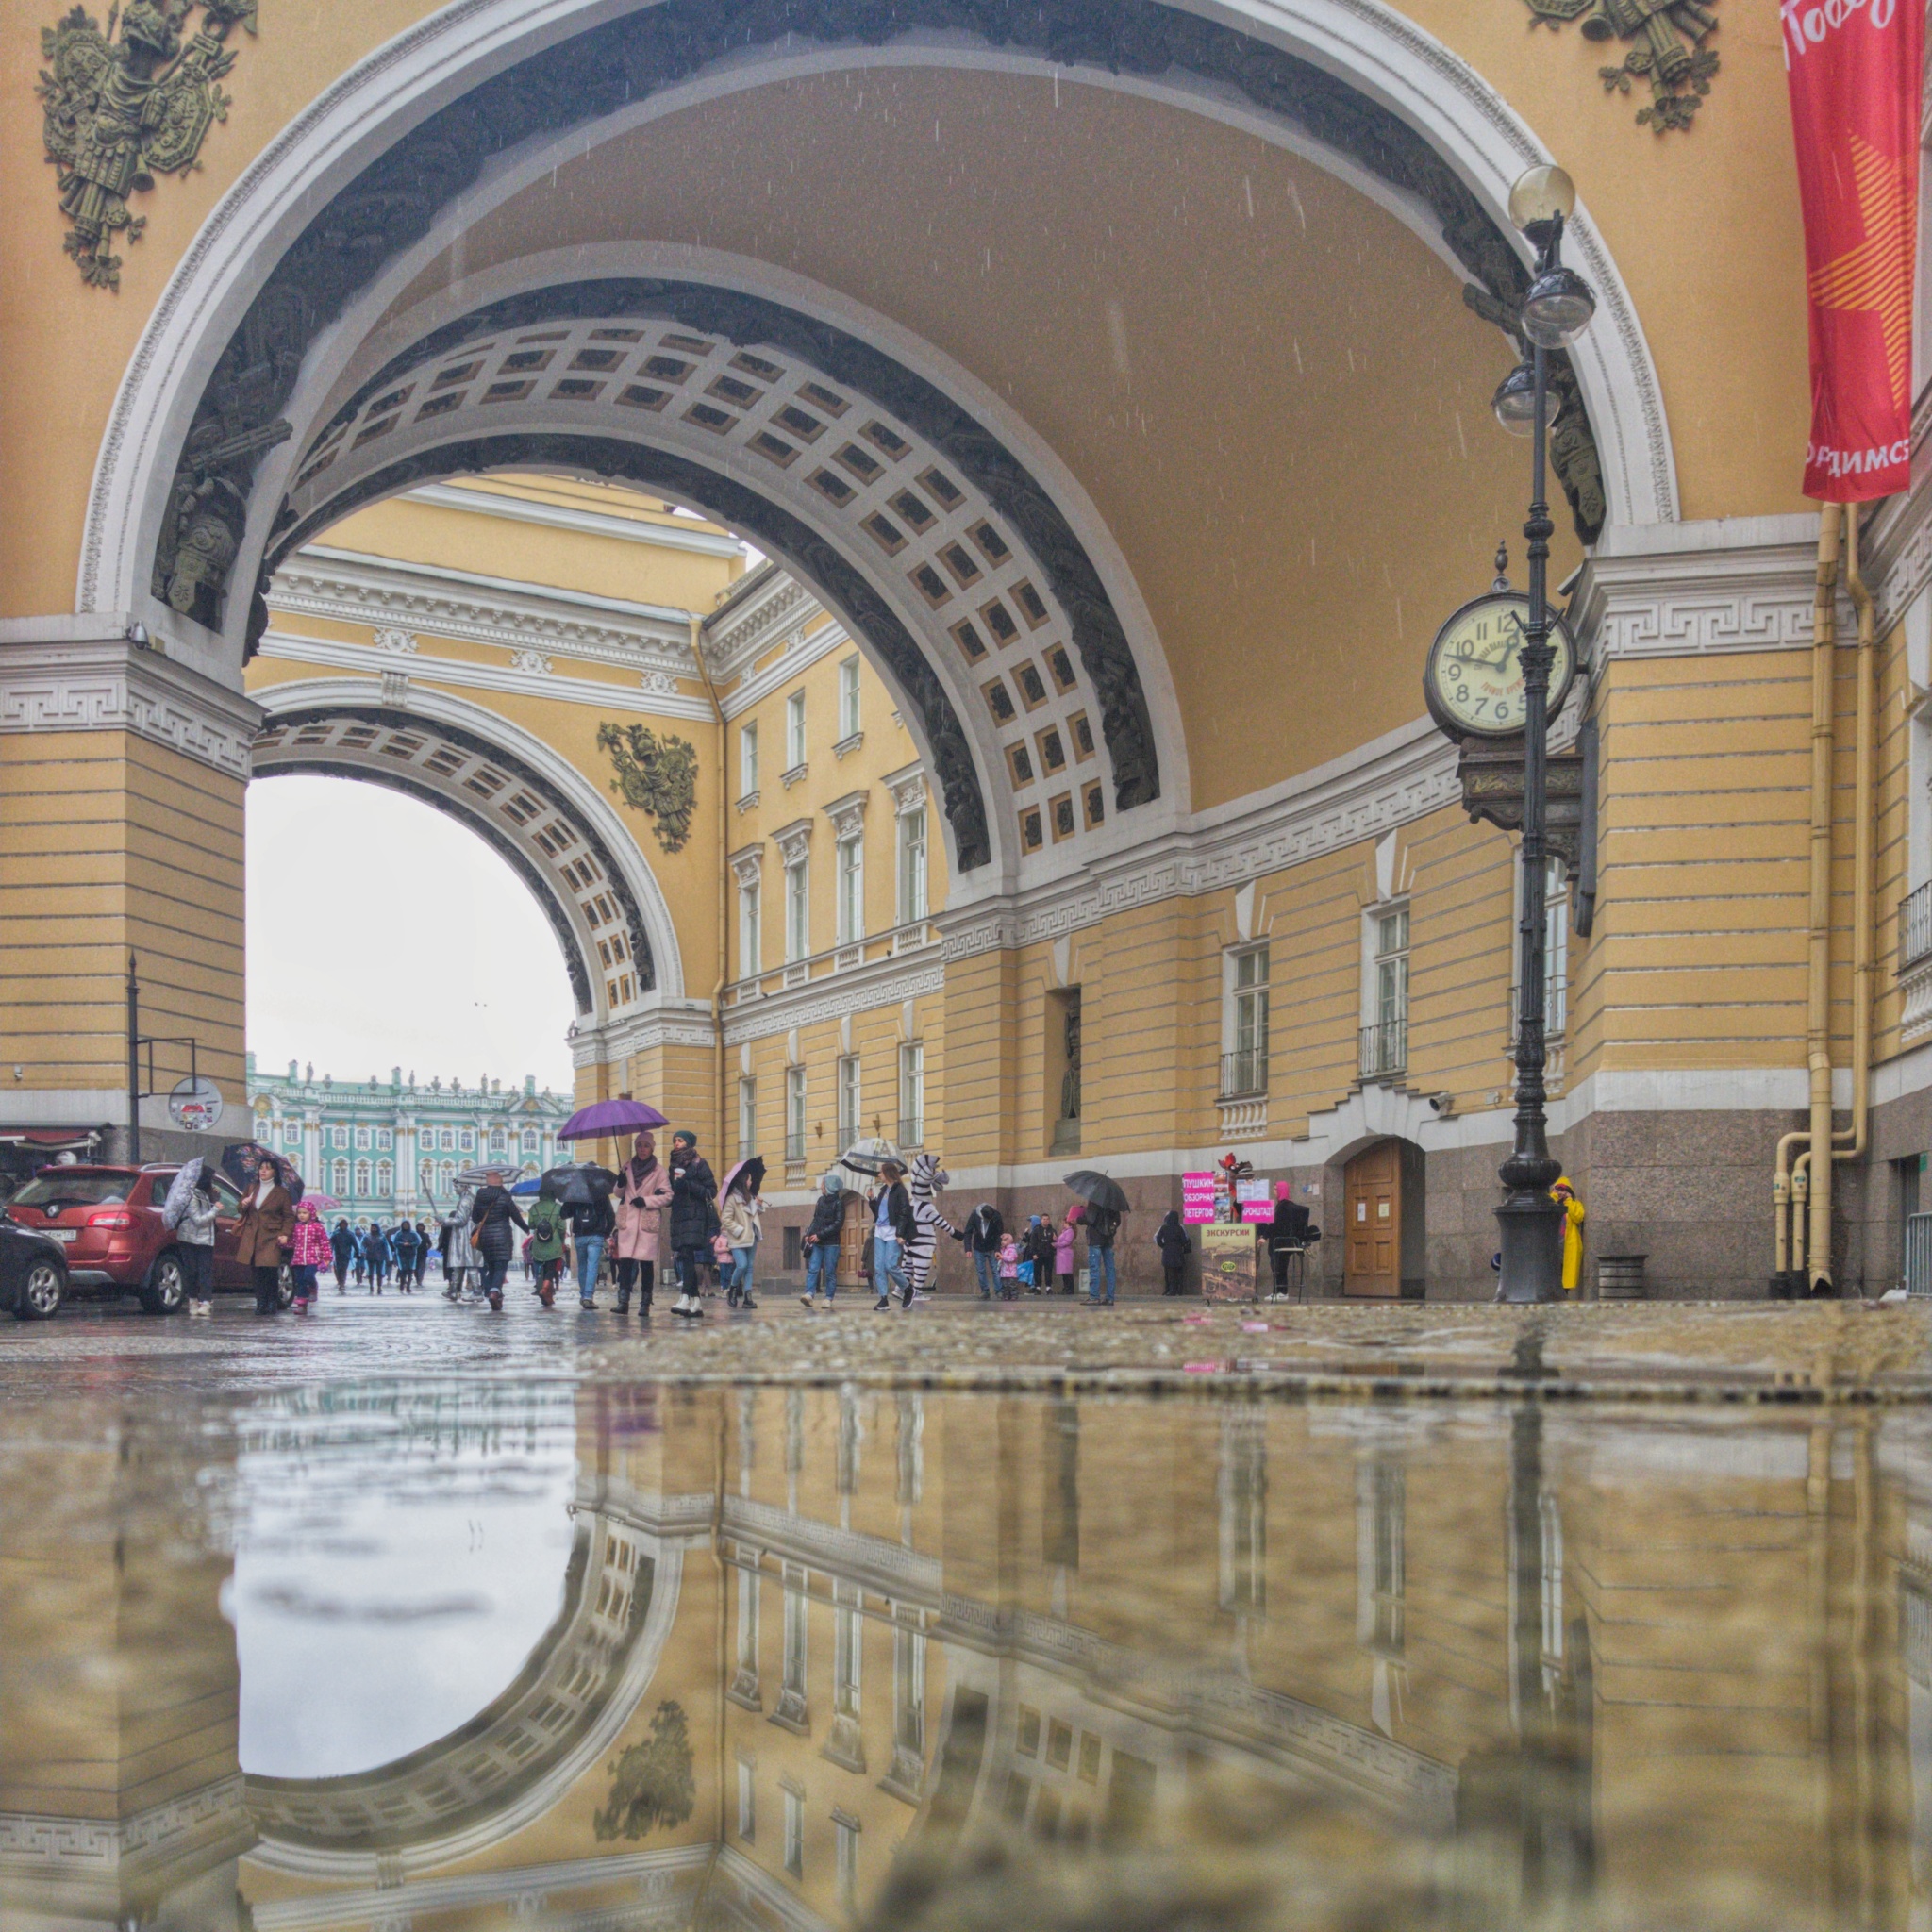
[[108, 1222]]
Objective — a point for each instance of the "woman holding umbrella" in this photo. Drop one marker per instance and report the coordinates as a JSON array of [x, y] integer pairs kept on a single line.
[[190, 1212], [266, 1229], [491, 1215], [739, 1215], [643, 1191]]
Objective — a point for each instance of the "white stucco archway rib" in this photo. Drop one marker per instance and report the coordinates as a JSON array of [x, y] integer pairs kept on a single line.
[[413, 702], [1376, 51]]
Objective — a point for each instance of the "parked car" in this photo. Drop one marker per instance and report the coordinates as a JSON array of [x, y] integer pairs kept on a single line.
[[107, 1222], [33, 1273]]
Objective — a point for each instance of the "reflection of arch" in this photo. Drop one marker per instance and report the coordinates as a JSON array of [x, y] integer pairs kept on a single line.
[[513, 1760], [509, 788], [1424, 125]]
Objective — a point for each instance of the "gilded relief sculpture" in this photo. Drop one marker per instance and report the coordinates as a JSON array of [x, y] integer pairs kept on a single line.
[[122, 109], [1669, 52]]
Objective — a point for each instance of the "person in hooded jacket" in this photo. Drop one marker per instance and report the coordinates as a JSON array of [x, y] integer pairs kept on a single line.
[[1170, 1237], [983, 1234], [1063, 1247], [490, 1214], [591, 1224], [195, 1234], [546, 1243], [820, 1241], [694, 1217], [404, 1241], [341, 1248], [1036, 1248]]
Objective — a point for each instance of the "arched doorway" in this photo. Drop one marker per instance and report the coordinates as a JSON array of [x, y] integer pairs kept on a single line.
[[1386, 1242]]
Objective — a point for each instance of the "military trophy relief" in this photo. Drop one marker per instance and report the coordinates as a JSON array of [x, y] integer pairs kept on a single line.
[[1669, 49], [126, 103]]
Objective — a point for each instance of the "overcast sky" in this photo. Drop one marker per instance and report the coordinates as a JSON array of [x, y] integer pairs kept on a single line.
[[381, 934]]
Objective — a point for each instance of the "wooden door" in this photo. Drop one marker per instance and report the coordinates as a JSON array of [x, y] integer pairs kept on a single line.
[[1372, 1203]]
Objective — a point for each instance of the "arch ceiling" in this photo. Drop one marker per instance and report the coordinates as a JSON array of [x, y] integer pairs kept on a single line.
[[386, 223], [547, 822]]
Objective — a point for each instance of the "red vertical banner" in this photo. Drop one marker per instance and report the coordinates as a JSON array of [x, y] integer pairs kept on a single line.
[[1854, 68]]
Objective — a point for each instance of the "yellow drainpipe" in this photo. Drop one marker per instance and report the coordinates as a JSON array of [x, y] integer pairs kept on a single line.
[[1864, 964], [1817, 964], [697, 651]]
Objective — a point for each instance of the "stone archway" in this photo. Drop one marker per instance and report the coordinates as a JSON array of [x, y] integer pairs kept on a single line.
[[530, 806]]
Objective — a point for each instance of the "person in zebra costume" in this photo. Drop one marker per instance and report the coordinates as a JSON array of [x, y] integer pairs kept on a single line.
[[923, 1183]]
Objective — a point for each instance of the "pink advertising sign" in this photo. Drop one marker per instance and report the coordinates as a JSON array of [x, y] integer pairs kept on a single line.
[[1258, 1211], [1197, 1197]]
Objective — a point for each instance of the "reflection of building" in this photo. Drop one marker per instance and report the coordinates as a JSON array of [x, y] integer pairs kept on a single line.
[[804, 1633], [395, 1147]]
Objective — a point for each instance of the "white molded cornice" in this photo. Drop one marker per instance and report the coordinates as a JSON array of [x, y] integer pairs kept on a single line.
[[684, 1022], [799, 656], [71, 681], [793, 841], [558, 516], [906, 788], [858, 989], [847, 814], [747, 862]]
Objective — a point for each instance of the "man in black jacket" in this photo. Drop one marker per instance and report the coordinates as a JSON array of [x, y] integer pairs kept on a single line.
[[694, 1216], [821, 1242], [983, 1233]]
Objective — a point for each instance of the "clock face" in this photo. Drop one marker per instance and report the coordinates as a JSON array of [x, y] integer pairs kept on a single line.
[[1473, 680]]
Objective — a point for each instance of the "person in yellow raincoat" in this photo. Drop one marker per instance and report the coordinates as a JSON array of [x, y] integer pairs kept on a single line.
[[1565, 1197]]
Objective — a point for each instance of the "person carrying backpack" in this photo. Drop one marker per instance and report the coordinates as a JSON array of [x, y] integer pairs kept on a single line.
[[546, 1244]]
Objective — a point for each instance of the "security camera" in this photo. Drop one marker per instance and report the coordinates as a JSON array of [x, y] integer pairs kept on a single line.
[[1441, 1103], [138, 637]]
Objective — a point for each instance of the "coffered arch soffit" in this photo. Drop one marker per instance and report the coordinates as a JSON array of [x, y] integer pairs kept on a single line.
[[386, 152], [535, 810]]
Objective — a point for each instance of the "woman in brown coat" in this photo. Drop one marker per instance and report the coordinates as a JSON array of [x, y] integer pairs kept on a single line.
[[263, 1236], [643, 1191]]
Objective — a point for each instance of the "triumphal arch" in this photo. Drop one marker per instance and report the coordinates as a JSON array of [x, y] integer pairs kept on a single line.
[[1112, 383]]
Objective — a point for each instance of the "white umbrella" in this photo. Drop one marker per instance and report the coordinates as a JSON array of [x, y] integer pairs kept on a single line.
[[175, 1206]]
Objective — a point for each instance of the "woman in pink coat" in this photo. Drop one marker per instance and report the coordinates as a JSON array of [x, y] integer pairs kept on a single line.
[[643, 1189], [1063, 1248]]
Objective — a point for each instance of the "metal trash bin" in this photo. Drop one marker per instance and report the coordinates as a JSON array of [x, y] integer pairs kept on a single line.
[[1620, 1277]]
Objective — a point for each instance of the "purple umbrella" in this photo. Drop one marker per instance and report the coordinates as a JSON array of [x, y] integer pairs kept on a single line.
[[606, 1117]]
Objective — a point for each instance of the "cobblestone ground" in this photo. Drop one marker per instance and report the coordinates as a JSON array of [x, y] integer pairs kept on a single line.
[[1783, 1353]]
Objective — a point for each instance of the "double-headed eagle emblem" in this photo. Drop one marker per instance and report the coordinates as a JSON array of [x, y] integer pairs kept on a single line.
[[123, 107], [1670, 53]]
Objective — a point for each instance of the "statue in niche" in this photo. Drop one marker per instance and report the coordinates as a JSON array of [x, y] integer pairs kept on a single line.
[[1070, 1080]]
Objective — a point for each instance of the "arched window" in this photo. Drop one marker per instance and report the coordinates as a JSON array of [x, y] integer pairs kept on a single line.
[[384, 1178], [530, 1142], [425, 1176], [339, 1178], [497, 1143], [362, 1177], [449, 1177]]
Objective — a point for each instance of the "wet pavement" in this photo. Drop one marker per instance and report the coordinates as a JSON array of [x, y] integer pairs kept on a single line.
[[404, 1616]]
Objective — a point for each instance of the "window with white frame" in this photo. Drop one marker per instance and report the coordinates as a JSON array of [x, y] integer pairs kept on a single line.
[[913, 873], [751, 954], [794, 1831], [848, 696], [794, 1114], [795, 731], [847, 1650], [748, 758], [529, 1141], [912, 1094], [339, 1178], [909, 1691], [385, 1177], [361, 1138], [449, 1139], [362, 1177], [1385, 990], [846, 1841], [747, 1116], [747, 1801], [1245, 1068], [744, 1685], [1381, 1558], [1556, 953], [797, 908], [848, 1101], [797, 1609], [385, 1140], [851, 862]]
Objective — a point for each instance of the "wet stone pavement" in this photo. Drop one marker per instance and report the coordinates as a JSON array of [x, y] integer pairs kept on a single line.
[[411, 1617]]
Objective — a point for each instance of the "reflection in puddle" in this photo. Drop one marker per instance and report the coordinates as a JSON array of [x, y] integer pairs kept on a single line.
[[622, 1657]]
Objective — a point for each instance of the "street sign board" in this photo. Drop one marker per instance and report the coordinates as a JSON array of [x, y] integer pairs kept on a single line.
[[195, 1105]]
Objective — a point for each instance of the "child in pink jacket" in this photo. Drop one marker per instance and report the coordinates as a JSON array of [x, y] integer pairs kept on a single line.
[[1063, 1249], [309, 1253], [1009, 1270]]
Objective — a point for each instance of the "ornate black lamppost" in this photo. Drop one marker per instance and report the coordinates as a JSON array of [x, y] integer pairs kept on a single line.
[[1555, 312]]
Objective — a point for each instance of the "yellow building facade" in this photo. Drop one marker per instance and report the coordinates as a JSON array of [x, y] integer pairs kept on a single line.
[[1114, 386]]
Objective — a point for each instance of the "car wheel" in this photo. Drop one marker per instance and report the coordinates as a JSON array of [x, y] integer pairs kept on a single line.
[[165, 1290], [41, 1291], [285, 1288]]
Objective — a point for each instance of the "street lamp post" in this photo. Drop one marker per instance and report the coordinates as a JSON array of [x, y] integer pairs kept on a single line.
[[1555, 312]]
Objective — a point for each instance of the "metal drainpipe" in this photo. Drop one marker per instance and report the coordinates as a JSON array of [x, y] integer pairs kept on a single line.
[[1864, 964], [1818, 968], [697, 651]]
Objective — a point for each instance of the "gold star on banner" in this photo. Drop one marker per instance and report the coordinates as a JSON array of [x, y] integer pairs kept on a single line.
[[1872, 277]]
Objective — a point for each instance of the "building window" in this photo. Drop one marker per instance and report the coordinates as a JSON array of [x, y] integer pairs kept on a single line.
[[384, 1178], [1244, 1064], [795, 731], [1385, 993], [797, 910], [425, 1177], [847, 1634], [912, 874], [909, 1703], [747, 1801], [1381, 1565], [845, 1839], [362, 1139], [748, 758], [848, 1101], [529, 1141], [791, 1702], [497, 1143], [1555, 955], [848, 697], [466, 1141], [851, 859], [339, 1178], [751, 948], [1243, 1498], [362, 1177], [794, 1831], [448, 1172], [912, 1094], [795, 1115], [385, 1140], [747, 1116], [449, 1139]]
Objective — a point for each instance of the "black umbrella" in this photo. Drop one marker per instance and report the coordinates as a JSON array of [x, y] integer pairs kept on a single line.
[[575, 1187], [240, 1159], [1096, 1189]]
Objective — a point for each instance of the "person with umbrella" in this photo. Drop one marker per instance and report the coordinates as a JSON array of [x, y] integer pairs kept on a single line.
[[190, 1212], [1107, 1202], [643, 1191], [738, 1217], [490, 1214], [693, 1190], [262, 1236], [586, 1207]]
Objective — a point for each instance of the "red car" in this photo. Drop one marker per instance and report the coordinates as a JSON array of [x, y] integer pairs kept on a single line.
[[109, 1220]]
